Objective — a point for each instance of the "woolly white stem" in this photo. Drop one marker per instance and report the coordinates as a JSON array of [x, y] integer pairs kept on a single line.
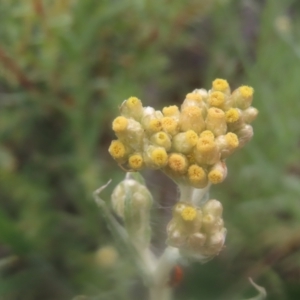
[[155, 271], [200, 196], [193, 195], [186, 193], [160, 290], [141, 259]]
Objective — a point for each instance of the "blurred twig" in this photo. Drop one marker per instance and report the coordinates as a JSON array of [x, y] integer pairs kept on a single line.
[[269, 260], [12, 66]]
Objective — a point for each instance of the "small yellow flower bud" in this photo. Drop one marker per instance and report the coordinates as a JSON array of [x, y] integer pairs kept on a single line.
[[178, 208], [206, 151], [131, 135], [227, 144], [120, 124], [244, 134], [189, 213], [232, 140], [216, 121], [212, 223], [194, 96], [177, 163], [198, 233], [234, 119], [215, 242], [193, 99], [215, 176], [176, 239], [232, 115], [155, 157], [132, 108], [132, 191], [161, 139], [221, 85], [106, 257], [207, 133], [171, 111], [118, 151], [216, 99], [133, 102], [191, 119], [154, 125], [208, 222], [242, 97], [136, 162], [217, 173], [132, 202], [205, 144], [203, 93], [213, 207], [246, 91], [170, 125], [249, 114], [191, 137], [151, 121], [196, 241], [197, 176], [184, 142], [176, 236], [148, 111], [186, 218]]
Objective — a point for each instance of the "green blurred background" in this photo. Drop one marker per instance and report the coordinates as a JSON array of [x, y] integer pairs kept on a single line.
[[66, 66]]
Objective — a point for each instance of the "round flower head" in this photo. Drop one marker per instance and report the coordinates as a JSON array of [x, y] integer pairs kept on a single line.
[[189, 144]]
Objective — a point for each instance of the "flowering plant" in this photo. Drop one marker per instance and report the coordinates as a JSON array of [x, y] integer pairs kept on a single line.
[[190, 145]]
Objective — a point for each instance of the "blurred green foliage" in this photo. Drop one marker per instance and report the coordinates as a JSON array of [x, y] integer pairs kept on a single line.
[[65, 67]]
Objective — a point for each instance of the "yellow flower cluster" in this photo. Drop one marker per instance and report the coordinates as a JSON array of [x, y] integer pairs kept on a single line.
[[189, 144], [198, 232]]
